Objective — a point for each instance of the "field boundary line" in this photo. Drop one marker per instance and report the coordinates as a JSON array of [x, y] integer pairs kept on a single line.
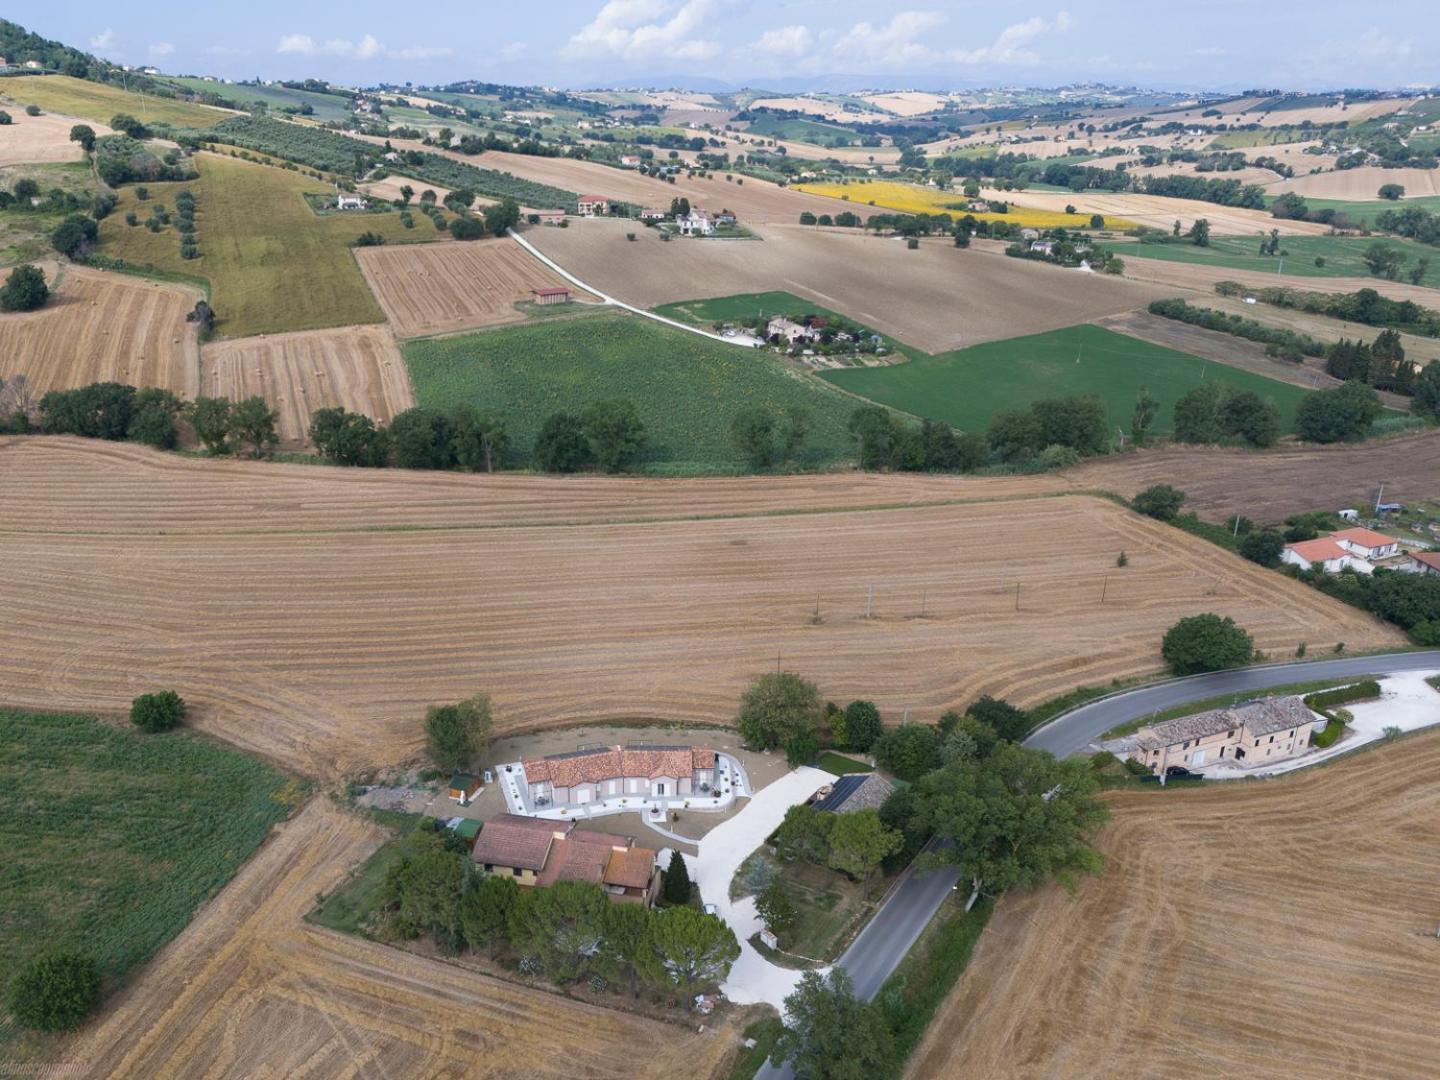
[[608, 299]]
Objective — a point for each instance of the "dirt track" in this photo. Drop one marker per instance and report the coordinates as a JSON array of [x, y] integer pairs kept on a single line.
[[439, 288], [1268, 928], [249, 989], [322, 649], [102, 327]]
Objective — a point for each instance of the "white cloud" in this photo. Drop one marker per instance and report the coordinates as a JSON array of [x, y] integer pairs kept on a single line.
[[904, 41], [161, 48], [367, 48], [640, 29], [103, 40], [514, 51], [785, 41]]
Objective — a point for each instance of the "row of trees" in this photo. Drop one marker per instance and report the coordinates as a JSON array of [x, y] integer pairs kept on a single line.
[[1380, 364], [566, 932], [1363, 306], [151, 415]]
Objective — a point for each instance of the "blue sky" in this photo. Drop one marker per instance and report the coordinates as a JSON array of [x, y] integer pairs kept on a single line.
[[1222, 44]]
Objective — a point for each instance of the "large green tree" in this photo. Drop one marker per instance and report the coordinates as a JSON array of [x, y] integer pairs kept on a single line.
[[252, 424], [210, 417], [830, 1034], [860, 842], [479, 438], [691, 951], [777, 706], [24, 289], [422, 439], [805, 834], [909, 751], [55, 992], [1015, 819], [563, 927], [349, 438], [1343, 414], [421, 894], [1426, 401], [561, 445], [458, 734], [862, 725], [616, 433], [1207, 642], [485, 911]]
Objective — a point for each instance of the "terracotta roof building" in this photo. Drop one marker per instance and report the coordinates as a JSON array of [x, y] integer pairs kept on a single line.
[[517, 846], [1367, 543], [1324, 553], [1257, 731], [533, 851], [639, 769]]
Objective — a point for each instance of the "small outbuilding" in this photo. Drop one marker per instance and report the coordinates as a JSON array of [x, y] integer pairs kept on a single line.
[[551, 294], [464, 787]]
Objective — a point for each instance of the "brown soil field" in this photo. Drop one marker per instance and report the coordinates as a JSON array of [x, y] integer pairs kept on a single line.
[[1203, 278], [321, 648], [1420, 349], [356, 367], [1160, 211], [1262, 929], [439, 288], [249, 989], [1363, 183], [102, 327], [29, 140], [935, 298], [757, 202]]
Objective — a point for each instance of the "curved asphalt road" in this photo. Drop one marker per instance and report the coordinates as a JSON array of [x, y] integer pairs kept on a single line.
[[914, 901]]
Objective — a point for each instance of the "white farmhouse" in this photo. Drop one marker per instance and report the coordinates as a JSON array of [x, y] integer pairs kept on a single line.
[[696, 223], [1324, 553]]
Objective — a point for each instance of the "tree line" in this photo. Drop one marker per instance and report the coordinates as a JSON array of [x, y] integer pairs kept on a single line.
[[1363, 306]]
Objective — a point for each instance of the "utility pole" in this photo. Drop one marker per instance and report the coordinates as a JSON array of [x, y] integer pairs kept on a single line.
[[1104, 588], [1237, 526], [1378, 497]]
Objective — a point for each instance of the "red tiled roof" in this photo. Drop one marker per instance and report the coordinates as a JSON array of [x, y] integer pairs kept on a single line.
[[632, 868], [551, 290], [511, 840], [1364, 537], [611, 762], [1321, 550], [1427, 558]]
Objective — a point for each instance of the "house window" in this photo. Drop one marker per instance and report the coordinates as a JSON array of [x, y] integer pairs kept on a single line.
[[489, 867], [516, 871]]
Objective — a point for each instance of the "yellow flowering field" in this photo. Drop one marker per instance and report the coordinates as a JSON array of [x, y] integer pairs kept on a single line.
[[911, 199]]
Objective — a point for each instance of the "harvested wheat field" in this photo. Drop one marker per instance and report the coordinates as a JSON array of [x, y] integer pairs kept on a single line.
[[322, 648], [357, 368], [1268, 928], [101, 327], [438, 288], [1363, 183], [935, 298], [249, 989], [43, 139], [1166, 275], [1161, 211]]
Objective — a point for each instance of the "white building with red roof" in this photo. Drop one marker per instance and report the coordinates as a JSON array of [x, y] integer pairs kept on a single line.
[[597, 780], [593, 205], [1325, 553], [1367, 543]]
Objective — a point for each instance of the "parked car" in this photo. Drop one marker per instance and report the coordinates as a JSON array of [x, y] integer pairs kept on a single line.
[[1178, 771]]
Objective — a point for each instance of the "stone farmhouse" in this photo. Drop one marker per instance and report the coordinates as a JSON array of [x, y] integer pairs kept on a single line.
[[1257, 732], [532, 851], [593, 206], [580, 777]]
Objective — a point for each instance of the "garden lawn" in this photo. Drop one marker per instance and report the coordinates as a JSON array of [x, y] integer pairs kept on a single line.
[[273, 263], [967, 387], [840, 765], [112, 838], [686, 388], [101, 101], [1343, 255]]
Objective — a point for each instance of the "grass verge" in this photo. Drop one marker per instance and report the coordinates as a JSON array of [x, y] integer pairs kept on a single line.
[[840, 765]]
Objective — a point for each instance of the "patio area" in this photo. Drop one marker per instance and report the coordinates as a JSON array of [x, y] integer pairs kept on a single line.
[[731, 783]]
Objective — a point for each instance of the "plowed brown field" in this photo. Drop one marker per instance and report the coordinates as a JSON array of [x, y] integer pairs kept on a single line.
[[935, 298], [40, 139], [323, 649], [1274, 928], [356, 367], [101, 327], [248, 989], [437, 288]]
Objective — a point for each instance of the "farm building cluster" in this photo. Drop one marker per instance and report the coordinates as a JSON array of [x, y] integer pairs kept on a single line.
[[1361, 550]]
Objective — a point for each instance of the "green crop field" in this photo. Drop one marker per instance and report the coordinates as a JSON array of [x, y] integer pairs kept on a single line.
[[686, 388], [806, 131], [325, 107], [1365, 211], [272, 262], [113, 838], [101, 101], [967, 387], [1343, 255]]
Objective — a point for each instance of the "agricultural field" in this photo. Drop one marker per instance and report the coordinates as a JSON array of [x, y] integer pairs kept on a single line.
[[798, 130], [441, 288], [25, 232], [324, 632], [103, 327], [250, 987], [935, 298], [113, 838], [41, 139], [869, 196], [1365, 212], [686, 388], [1343, 256], [966, 388], [100, 101], [273, 263], [355, 367], [326, 107], [1232, 959], [1162, 211]]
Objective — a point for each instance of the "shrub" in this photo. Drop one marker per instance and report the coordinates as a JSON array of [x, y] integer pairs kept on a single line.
[[1160, 501], [1102, 759], [25, 290], [800, 749], [74, 235], [1365, 690], [1263, 546], [909, 751], [466, 228], [369, 239], [56, 992], [862, 725], [159, 711], [32, 110], [1206, 642]]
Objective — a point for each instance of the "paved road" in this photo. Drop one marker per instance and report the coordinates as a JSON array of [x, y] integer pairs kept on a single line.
[[912, 904], [1077, 729]]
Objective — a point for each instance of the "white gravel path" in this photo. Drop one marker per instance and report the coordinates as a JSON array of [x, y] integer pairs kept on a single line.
[[722, 850]]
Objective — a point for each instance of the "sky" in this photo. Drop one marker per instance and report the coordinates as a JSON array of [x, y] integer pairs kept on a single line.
[[1213, 44]]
